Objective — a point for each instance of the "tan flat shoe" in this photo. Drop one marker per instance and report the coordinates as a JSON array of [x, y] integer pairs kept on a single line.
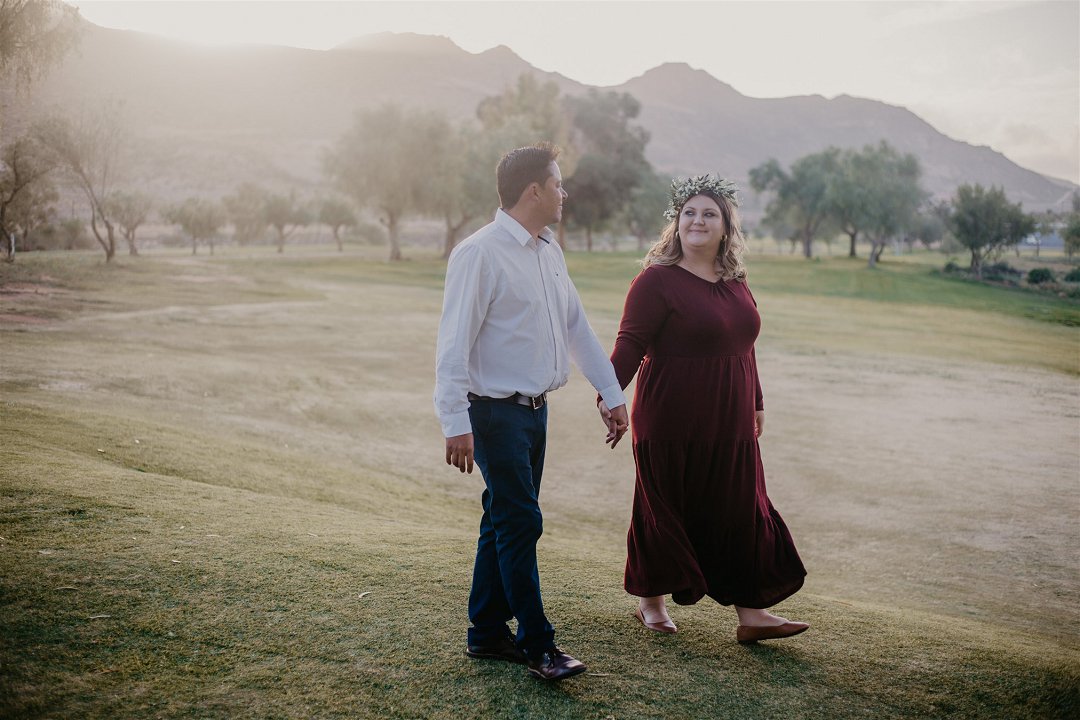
[[661, 627], [747, 634]]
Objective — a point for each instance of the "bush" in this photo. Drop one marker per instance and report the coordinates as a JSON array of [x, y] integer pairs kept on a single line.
[[1073, 275], [951, 267], [1038, 276], [1000, 271], [70, 234]]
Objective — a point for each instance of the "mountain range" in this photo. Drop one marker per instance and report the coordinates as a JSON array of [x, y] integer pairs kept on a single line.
[[205, 119]]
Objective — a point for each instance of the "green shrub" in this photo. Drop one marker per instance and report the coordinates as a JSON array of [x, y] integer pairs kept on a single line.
[[1038, 276], [1001, 271], [952, 267], [1073, 275]]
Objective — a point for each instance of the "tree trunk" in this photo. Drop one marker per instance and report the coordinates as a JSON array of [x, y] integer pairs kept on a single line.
[[392, 233], [588, 238], [111, 232], [106, 245], [877, 247], [976, 264], [280, 239], [452, 232], [130, 237], [808, 244], [9, 248], [337, 237], [194, 244], [851, 250]]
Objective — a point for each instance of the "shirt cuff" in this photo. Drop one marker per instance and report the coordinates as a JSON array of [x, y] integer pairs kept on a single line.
[[456, 424], [613, 396]]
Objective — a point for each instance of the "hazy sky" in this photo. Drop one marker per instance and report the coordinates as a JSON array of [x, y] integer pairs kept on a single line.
[[1003, 74]]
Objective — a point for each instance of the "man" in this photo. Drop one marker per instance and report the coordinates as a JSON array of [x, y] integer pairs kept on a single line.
[[511, 320]]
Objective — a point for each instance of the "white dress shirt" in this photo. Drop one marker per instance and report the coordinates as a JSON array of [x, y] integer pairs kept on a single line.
[[510, 313]]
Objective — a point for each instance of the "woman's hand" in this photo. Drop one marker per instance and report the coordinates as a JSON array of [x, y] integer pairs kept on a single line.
[[759, 423]]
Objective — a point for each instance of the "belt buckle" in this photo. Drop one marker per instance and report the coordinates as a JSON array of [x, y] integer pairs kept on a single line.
[[537, 402]]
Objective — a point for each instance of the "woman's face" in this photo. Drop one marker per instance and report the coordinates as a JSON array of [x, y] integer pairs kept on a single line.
[[701, 226]]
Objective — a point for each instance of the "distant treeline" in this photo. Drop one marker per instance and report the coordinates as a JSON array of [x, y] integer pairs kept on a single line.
[[395, 164]]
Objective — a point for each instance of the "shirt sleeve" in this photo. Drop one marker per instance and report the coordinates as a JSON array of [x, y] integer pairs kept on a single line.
[[587, 352], [467, 294], [644, 314]]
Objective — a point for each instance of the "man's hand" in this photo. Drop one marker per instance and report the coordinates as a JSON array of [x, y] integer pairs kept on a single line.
[[759, 423], [616, 421], [459, 452]]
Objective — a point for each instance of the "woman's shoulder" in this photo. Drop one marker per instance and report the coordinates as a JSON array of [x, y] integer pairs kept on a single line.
[[653, 277]]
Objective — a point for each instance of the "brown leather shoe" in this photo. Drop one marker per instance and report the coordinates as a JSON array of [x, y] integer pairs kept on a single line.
[[555, 665], [665, 626], [505, 649], [747, 634]]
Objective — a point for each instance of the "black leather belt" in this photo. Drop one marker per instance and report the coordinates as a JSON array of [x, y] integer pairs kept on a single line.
[[516, 399]]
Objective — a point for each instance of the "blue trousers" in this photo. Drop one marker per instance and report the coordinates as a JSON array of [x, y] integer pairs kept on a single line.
[[509, 443]]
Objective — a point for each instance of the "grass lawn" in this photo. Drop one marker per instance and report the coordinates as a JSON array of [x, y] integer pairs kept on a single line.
[[222, 495]]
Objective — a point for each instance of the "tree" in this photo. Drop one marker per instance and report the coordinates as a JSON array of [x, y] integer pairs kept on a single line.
[[34, 36], [245, 209], [32, 211], [801, 197], [985, 222], [612, 162], [129, 210], [383, 162], [284, 213], [528, 113], [89, 148], [336, 214], [26, 195], [1071, 230], [890, 194], [532, 111], [847, 200], [464, 178], [200, 219], [929, 227], [644, 213], [1072, 236]]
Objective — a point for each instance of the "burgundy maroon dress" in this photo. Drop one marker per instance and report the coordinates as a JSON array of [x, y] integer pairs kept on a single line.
[[702, 522]]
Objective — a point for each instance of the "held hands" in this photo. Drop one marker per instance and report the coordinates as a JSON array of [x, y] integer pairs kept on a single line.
[[759, 423], [616, 421], [459, 452]]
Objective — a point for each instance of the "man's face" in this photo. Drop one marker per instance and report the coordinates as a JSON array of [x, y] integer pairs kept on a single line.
[[552, 195]]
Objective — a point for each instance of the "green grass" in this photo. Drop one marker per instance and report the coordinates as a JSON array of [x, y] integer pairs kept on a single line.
[[223, 456]]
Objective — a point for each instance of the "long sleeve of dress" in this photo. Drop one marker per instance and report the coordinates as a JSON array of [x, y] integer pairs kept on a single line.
[[644, 315], [759, 402]]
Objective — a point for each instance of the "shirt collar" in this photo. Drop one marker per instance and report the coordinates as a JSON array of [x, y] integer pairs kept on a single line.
[[519, 233]]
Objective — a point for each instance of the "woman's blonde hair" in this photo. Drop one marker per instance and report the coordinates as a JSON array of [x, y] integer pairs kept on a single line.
[[668, 249]]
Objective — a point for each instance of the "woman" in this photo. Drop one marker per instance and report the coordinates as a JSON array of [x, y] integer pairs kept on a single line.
[[702, 522]]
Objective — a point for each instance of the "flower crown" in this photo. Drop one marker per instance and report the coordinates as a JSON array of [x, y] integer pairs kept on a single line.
[[683, 190]]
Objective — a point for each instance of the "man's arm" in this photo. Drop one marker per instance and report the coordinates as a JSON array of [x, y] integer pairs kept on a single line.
[[466, 298], [595, 365]]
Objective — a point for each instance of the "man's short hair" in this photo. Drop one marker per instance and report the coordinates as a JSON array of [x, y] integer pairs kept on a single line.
[[519, 168]]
